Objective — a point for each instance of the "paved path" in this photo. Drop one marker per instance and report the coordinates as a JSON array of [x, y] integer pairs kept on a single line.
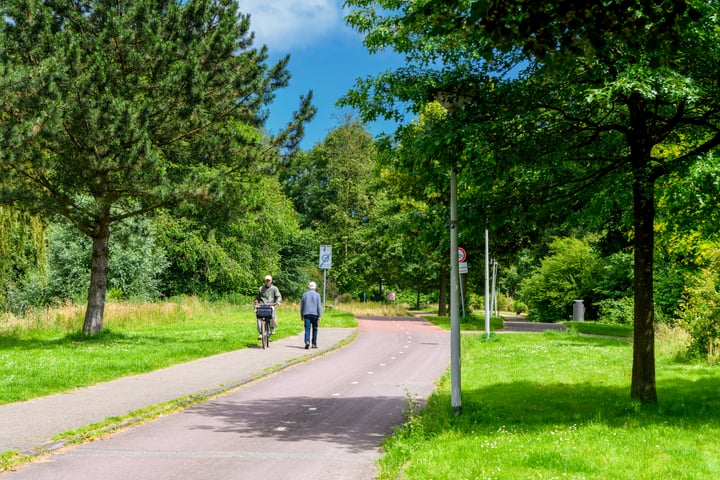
[[320, 419]]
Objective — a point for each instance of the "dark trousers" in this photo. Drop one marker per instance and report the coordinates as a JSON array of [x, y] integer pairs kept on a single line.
[[311, 326]]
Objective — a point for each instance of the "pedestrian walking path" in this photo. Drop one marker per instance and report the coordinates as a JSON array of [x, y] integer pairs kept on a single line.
[[28, 427]]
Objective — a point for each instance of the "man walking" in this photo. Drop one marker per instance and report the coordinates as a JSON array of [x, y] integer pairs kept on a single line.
[[310, 313]]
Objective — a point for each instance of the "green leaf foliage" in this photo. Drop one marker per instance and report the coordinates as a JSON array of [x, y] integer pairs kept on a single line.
[[333, 186], [136, 262], [700, 314], [126, 107], [227, 244], [565, 275], [22, 249]]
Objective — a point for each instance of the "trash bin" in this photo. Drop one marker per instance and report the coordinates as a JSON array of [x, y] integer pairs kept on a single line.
[[578, 311]]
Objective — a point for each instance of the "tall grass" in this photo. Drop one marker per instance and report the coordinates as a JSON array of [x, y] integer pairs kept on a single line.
[[557, 405], [383, 309], [69, 317]]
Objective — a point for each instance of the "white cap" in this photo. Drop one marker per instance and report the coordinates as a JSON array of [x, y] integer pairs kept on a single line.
[[312, 286], [268, 277]]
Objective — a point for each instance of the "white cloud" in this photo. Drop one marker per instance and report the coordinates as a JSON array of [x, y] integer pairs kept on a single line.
[[284, 25]]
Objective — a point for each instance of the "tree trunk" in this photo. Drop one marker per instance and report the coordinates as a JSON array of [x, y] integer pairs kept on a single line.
[[98, 281], [442, 297], [643, 370]]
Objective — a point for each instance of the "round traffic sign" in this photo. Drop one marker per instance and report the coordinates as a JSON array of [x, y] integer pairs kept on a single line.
[[461, 254]]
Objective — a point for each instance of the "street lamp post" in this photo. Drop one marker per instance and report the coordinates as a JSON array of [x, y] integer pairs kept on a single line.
[[453, 103], [455, 391]]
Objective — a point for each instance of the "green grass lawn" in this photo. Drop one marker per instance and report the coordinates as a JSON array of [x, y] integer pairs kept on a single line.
[[41, 356], [470, 323], [557, 405], [534, 406]]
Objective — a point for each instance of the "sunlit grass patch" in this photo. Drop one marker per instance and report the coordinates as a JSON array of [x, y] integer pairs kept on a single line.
[[557, 405], [473, 322]]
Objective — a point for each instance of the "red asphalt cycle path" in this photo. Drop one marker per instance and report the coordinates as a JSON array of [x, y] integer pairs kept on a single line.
[[321, 419]]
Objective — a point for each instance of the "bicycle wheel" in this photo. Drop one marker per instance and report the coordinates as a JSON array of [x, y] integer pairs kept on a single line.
[[265, 327]]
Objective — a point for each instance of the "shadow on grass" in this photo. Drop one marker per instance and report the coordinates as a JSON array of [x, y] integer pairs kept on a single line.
[[535, 406], [109, 337], [65, 340], [77, 339]]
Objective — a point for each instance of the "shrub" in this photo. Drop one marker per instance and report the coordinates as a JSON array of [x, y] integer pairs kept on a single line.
[[135, 262], [701, 312], [505, 303], [618, 310], [345, 298], [519, 307], [566, 274]]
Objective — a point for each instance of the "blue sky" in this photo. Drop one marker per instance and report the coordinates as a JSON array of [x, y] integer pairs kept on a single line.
[[326, 56]]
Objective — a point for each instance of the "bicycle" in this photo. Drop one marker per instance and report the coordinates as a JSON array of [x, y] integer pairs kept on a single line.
[[264, 314]]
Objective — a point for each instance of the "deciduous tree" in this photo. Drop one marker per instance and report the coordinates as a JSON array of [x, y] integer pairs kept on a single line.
[[332, 187], [22, 250]]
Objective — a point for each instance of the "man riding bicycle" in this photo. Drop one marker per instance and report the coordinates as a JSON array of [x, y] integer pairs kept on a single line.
[[268, 294]]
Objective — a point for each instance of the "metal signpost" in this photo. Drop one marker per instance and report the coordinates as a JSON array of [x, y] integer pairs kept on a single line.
[[462, 264], [487, 283], [325, 263], [493, 304]]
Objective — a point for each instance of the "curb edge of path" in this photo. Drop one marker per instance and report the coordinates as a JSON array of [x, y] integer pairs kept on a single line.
[[138, 417]]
